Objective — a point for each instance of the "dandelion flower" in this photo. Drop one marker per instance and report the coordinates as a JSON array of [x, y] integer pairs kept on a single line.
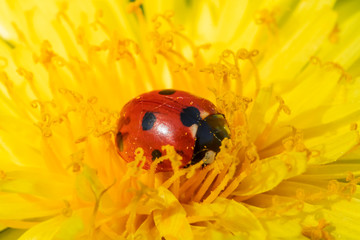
[[284, 73]]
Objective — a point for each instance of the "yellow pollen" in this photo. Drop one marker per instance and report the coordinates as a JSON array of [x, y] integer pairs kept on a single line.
[[140, 159], [47, 56], [126, 49]]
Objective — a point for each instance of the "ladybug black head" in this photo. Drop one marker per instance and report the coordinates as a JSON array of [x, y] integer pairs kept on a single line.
[[211, 131]]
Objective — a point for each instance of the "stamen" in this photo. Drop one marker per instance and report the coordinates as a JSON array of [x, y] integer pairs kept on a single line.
[[352, 183], [62, 15], [98, 15], [47, 108], [343, 190], [268, 18], [329, 66], [234, 184], [337, 67], [244, 54], [136, 7], [163, 37], [140, 159], [125, 49], [214, 194], [205, 186], [295, 142], [318, 232], [47, 56], [175, 160], [220, 176], [77, 163], [265, 134], [333, 186], [29, 76], [188, 188], [227, 71], [197, 49], [96, 207]]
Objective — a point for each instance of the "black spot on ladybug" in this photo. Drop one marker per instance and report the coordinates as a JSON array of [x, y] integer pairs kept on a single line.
[[155, 154], [148, 121], [189, 116], [119, 141], [211, 131], [167, 92]]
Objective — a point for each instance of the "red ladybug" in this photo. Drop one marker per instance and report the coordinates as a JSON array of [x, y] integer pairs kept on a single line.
[[191, 124]]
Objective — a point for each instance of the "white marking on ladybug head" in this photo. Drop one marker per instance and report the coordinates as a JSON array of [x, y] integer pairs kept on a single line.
[[204, 114], [209, 157], [193, 129]]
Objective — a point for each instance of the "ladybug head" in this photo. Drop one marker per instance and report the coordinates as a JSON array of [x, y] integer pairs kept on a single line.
[[211, 131]]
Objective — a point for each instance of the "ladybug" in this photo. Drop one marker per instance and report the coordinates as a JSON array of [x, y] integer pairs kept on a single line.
[[191, 124]]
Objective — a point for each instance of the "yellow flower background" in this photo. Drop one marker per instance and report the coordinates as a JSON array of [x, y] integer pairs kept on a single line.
[[285, 73]]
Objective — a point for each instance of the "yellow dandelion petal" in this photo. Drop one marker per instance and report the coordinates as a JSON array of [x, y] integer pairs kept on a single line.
[[30, 207], [36, 183], [284, 74], [171, 221], [60, 226], [333, 148], [264, 178], [225, 215]]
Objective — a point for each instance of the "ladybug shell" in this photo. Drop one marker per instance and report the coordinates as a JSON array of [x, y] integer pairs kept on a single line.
[[160, 118]]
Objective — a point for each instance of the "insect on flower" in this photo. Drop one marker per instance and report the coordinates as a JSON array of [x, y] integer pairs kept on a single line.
[[191, 124]]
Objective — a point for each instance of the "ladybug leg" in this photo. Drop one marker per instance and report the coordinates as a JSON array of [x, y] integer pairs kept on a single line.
[[209, 157]]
